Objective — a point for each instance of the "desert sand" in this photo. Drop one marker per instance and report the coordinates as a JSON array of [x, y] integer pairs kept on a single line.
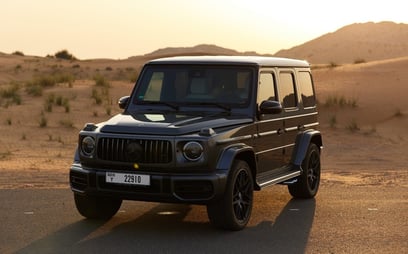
[[363, 118]]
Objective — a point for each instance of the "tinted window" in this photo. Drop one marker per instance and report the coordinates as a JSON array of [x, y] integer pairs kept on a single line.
[[287, 90], [266, 90], [189, 84], [306, 86]]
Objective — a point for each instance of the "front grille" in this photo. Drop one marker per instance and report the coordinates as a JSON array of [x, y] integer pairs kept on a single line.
[[134, 150]]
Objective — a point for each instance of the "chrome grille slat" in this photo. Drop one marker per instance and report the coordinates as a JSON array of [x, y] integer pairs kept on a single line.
[[152, 151]]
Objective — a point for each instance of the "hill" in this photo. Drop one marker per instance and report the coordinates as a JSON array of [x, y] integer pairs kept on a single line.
[[201, 49], [354, 43]]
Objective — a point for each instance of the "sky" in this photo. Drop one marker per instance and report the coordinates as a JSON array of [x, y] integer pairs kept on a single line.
[[118, 29]]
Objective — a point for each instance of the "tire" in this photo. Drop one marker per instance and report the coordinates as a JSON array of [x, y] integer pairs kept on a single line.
[[308, 182], [233, 210], [97, 208]]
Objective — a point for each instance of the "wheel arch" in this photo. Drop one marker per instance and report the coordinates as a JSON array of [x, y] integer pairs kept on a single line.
[[302, 143], [240, 152]]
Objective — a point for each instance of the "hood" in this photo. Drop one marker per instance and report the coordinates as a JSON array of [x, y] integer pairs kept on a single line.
[[169, 124]]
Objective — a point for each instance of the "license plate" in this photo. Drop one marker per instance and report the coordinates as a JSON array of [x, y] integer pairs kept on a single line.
[[131, 179]]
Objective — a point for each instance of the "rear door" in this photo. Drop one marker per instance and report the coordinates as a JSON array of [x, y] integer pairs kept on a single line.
[[292, 118]]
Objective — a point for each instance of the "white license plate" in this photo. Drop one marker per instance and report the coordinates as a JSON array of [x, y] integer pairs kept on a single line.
[[125, 178]]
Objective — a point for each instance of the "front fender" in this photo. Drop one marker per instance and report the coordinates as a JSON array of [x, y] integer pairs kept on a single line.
[[230, 153], [302, 143], [76, 156]]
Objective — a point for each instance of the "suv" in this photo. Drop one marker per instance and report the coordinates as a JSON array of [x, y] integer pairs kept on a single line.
[[203, 130]]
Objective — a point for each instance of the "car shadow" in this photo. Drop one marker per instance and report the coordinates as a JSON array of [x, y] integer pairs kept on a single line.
[[170, 228]]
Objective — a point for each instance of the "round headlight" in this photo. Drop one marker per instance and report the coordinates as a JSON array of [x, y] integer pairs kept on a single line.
[[193, 151], [88, 146]]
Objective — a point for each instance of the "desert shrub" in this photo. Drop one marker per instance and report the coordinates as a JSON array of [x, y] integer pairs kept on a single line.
[[333, 65], [9, 121], [101, 81], [66, 106], [18, 53], [398, 113], [64, 78], [57, 100], [108, 68], [76, 66], [359, 61], [48, 106], [46, 81], [5, 155], [353, 126], [64, 54], [96, 96], [341, 101], [18, 67], [34, 89], [11, 93], [43, 122], [67, 123], [108, 111], [333, 121]]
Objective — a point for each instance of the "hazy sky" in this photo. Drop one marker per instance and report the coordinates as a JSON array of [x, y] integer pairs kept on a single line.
[[122, 28]]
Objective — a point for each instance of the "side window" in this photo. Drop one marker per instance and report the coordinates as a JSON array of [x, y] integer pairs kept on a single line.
[[287, 90], [266, 87], [306, 86]]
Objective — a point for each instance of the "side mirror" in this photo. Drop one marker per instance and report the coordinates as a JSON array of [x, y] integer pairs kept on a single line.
[[270, 107], [123, 102]]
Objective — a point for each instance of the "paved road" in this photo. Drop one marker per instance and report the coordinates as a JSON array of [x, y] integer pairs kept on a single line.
[[342, 219]]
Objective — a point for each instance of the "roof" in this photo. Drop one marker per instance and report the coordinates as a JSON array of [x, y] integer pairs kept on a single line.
[[233, 60]]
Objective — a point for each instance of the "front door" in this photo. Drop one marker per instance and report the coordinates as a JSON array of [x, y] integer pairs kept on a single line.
[[268, 144]]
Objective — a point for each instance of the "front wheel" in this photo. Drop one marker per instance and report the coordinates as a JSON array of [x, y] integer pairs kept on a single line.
[[94, 207], [308, 182], [233, 210]]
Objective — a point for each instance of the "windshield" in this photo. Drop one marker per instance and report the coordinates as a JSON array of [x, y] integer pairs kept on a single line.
[[180, 85]]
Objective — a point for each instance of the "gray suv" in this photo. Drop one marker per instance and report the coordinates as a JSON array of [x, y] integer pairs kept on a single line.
[[204, 130]]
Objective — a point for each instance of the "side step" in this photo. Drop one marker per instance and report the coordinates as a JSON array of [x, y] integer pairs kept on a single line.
[[286, 177]]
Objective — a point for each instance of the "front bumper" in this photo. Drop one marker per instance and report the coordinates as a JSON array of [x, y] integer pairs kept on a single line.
[[170, 188]]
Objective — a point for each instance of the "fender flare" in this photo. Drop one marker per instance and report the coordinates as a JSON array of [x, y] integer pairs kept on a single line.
[[229, 154], [302, 144]]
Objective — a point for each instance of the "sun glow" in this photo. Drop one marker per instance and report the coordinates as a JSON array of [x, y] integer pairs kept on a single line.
[[112, 29]]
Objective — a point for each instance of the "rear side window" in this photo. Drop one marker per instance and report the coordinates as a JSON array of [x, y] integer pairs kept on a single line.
[[287, 90], [306, 86]]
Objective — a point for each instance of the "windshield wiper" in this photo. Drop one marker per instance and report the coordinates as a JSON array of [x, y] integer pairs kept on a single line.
[[220, 105], [170, 104]]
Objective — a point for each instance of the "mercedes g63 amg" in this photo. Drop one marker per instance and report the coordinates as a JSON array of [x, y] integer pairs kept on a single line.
[[205, 130]]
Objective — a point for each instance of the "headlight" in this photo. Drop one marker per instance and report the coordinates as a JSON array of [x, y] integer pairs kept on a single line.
[[88, 146], [193, 151]]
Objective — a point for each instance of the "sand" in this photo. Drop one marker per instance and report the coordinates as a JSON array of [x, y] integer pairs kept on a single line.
[[365, 136]]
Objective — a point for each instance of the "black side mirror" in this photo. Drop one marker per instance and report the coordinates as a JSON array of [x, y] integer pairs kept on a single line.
[[270, 107], [123, 102]]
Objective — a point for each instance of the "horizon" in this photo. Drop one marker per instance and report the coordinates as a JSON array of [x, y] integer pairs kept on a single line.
[[105, 29]]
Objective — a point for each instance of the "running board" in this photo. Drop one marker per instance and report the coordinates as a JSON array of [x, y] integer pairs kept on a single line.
[[282, 178]]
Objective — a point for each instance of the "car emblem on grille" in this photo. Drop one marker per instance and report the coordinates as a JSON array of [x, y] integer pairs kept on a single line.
[[134, 152]]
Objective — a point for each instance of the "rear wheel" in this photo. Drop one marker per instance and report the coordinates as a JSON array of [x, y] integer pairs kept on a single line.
[[233, 210], [308, 182], [99, 208]]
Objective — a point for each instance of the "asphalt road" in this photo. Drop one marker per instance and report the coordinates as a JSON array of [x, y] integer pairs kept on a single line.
[[342, 219]]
